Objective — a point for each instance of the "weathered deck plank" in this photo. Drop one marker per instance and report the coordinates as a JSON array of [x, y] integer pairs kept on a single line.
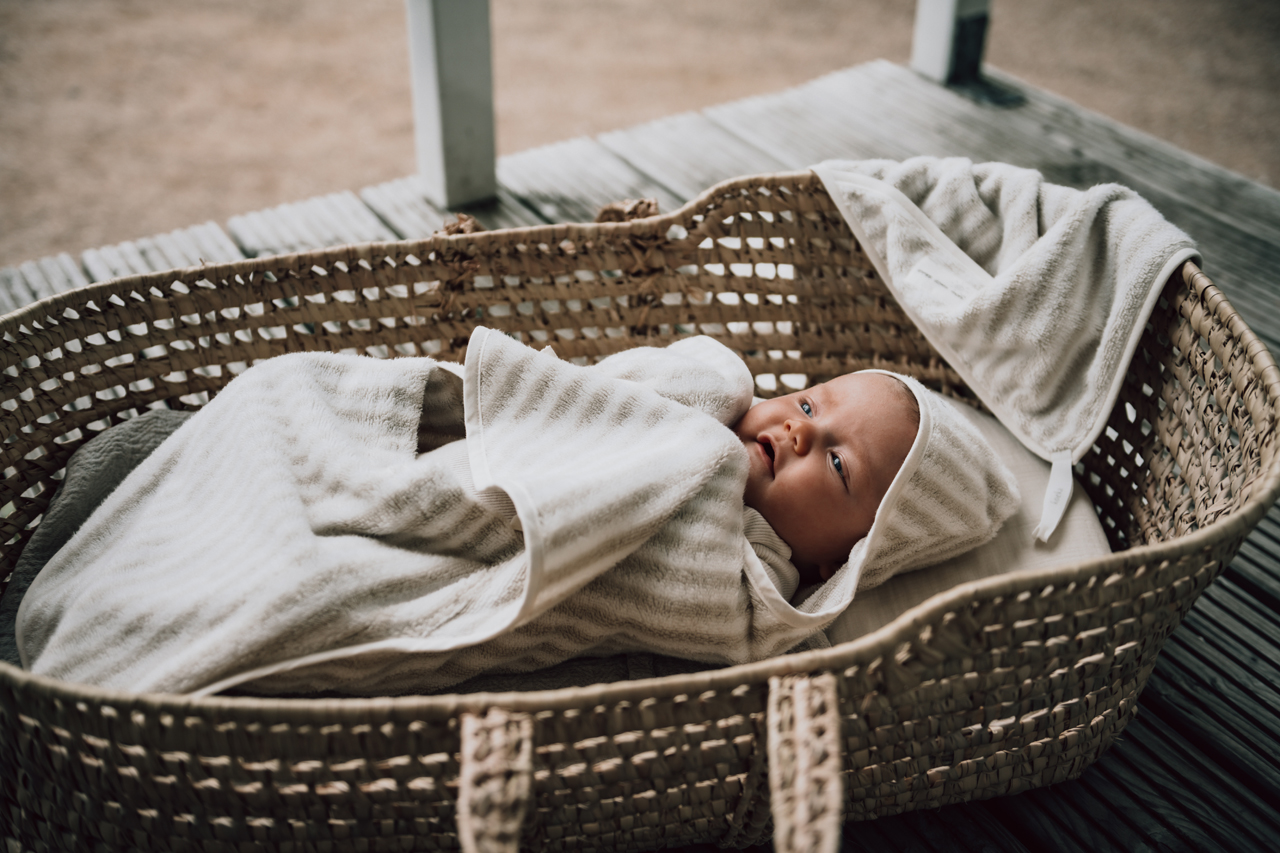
[[9, 290], [62, 272], [688, 153], [1236, 599], [50, 275], [185, 247], [1096, 798], [33, 276], [1248, 205], [570, 181], [1192, 764], [1029, 816], [403, 205], [316, 223]]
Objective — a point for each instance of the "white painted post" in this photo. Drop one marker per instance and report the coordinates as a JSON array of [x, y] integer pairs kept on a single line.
[[949, 38], [452, 71]]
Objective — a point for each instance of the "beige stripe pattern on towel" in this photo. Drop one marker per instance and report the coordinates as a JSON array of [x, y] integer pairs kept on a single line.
[[289, 538]]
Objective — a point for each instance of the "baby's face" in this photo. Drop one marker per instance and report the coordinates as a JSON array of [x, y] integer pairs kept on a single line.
[[822, 460]]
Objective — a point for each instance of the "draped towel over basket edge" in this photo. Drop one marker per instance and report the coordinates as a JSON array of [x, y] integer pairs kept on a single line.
[[1037, 294]]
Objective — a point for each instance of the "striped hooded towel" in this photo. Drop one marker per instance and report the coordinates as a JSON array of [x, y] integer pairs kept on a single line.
[[291, 538], [1036, 294]]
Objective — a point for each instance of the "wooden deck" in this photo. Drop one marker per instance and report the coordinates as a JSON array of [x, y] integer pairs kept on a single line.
[[1199, 769]]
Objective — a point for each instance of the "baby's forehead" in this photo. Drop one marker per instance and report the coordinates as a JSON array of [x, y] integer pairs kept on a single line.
[[850, 383], [886, 391]]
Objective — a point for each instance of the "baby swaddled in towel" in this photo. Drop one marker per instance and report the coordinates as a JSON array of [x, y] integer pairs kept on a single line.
[[364, 526], [338, 523]]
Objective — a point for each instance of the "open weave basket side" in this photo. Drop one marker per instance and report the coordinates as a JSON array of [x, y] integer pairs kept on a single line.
[[995, 687]]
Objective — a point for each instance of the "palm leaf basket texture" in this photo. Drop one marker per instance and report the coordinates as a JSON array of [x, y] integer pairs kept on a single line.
[[996, 687]]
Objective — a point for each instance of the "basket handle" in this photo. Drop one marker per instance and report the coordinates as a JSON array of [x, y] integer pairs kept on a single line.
[[495, 781], [806, 792]]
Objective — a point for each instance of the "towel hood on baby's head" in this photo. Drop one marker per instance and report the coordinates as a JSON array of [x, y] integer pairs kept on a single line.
[[951, 494]]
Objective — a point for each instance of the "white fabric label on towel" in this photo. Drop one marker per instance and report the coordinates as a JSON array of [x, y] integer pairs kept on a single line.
[[936, 280], [1057, 496]]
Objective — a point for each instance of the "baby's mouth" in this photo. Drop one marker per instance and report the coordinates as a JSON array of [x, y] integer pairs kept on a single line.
[[767, 446]]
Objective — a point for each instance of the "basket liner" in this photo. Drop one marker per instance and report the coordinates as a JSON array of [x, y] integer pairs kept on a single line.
[[994, 687]]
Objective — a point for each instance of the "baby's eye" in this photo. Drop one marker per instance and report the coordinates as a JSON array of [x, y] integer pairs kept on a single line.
[[807, 409], [837, 464]]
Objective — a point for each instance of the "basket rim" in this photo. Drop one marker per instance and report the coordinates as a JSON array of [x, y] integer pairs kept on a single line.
[[862, 650], [369, 251]]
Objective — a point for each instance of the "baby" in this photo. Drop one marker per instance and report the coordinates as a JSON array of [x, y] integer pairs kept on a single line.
[[402, 526], [823, 460]]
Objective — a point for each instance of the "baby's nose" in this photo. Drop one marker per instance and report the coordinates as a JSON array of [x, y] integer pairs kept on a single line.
[[800, 432]]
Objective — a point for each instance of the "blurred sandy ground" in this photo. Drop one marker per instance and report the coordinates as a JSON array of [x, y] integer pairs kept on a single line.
[[125, 118]]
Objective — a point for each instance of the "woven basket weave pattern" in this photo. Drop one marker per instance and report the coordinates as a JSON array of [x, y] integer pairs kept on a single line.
[[1009, 684]]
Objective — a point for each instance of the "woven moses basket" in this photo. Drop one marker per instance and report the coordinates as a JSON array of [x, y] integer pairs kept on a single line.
[[1011, 683]]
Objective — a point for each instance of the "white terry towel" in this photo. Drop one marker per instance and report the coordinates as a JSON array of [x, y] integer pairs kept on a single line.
[[288, 537], [1036, 294]]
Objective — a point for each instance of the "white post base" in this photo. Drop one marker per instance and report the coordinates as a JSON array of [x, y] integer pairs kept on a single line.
[[450, 60], [948, 40]]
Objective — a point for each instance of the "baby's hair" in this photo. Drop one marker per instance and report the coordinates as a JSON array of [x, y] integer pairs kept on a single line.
[[909, 398]]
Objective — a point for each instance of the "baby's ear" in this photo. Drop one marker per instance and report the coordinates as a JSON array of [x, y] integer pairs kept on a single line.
[[826, 570]]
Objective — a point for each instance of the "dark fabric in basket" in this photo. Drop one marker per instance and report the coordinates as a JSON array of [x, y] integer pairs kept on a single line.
[[92, 473]]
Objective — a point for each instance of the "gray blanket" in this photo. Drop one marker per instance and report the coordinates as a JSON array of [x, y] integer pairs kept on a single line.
[[93, 473]]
